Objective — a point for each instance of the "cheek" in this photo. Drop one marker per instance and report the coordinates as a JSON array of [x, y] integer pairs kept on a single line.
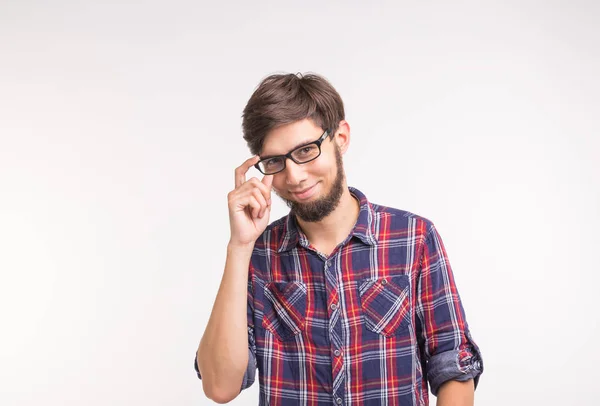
[[325, 170]]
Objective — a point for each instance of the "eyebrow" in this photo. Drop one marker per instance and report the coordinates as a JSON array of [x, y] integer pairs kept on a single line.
[[301, 144]]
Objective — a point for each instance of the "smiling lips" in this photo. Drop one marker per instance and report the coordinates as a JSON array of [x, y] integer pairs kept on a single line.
[[304, 194]]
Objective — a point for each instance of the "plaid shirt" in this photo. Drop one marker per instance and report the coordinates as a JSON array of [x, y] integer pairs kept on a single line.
[[372, 324]]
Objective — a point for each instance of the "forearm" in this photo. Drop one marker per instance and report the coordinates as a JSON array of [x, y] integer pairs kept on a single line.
[[455, 393], [223, 350]]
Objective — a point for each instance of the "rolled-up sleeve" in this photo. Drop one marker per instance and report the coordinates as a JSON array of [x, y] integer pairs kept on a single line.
[[449, 349], [250, 374]]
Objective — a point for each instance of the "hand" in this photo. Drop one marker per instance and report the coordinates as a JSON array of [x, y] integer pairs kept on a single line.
[[249, 205]]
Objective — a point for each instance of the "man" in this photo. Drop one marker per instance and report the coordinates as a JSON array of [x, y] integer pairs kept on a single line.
[[342, 301]]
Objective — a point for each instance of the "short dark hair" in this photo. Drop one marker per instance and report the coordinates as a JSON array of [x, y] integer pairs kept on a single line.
[[282, 99]]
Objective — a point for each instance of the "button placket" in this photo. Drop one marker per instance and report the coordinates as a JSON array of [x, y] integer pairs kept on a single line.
[[335, 327]]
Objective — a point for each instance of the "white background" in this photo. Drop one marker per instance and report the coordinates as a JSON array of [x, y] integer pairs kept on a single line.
[[120, 129]]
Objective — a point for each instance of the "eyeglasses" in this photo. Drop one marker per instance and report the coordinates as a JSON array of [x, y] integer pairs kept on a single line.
[[301, 155]]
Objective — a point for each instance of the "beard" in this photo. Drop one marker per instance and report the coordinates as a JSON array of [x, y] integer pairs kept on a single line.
[[319, 209]]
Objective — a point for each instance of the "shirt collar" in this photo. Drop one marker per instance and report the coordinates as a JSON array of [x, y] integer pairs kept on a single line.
[[364, 229]]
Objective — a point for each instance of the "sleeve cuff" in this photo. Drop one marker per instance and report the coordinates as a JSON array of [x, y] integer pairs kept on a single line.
[[196, 366], [455, 365], [249, 375]]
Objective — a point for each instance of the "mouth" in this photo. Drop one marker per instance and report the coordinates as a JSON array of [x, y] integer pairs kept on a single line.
[[306, 193]]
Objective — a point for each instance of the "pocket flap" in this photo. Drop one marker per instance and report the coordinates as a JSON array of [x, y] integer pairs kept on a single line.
[[385, 303], [285, 308]]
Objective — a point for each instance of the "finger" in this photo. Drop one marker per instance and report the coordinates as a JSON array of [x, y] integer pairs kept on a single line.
[[256, 193], [254, 183], [267, 180], [240, 171], [254, 206]]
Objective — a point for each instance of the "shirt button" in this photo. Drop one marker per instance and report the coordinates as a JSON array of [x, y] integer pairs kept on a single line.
[[383, 281], [338, 401], [337, 353], [333, 306]]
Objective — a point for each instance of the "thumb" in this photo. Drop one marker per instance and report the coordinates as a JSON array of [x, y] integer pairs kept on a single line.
[[268, 181]]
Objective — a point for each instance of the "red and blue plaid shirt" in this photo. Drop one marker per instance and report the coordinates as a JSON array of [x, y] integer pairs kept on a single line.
[[372, 324]]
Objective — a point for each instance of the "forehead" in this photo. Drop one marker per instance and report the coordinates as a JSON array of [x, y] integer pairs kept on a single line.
[[282, 140]]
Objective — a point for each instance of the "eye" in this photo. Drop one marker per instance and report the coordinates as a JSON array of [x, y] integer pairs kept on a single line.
[[308, 150], [273, 162]]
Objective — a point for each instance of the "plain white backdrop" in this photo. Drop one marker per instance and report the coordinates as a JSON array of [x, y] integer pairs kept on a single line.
[[120, 129]]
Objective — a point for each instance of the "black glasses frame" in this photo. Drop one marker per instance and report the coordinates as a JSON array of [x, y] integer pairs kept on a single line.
[[289, 154]]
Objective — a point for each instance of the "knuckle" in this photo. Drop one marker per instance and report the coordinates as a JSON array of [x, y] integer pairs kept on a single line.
[[261, 186]]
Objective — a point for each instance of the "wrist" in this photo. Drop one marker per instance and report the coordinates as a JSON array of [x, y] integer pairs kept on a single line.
[[237, 247]]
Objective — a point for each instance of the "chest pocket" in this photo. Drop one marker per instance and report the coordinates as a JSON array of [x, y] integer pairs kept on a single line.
[[284, 308], [385, 304]]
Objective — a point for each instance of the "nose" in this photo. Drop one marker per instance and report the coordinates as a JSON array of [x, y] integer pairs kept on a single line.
[[294, 173]]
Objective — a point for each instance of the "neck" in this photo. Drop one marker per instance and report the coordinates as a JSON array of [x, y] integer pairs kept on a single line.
[[334, 228]]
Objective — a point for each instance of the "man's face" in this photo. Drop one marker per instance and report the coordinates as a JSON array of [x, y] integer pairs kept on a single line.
[[311, 190]]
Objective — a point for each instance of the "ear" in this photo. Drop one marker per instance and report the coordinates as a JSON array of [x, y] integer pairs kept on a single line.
[[342, 137]]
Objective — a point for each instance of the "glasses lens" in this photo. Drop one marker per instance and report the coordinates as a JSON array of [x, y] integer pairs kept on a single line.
[[271, 165], [306, 153]]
